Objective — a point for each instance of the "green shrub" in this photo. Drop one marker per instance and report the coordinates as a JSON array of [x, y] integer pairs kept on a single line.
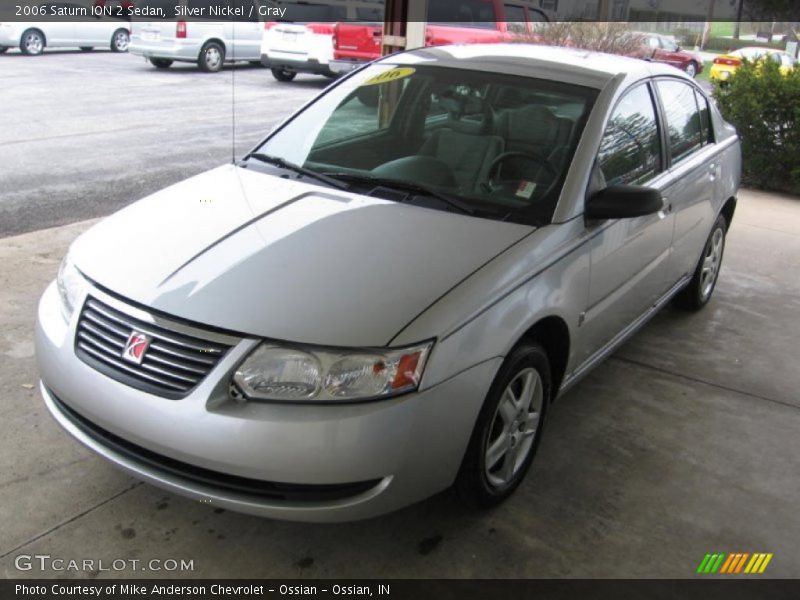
[[764, 105]]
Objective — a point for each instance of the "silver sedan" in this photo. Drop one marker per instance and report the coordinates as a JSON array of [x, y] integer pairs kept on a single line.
[[386, 296]]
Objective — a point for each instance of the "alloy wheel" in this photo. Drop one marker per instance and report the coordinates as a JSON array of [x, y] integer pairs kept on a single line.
[[514, 427], [711, 263]]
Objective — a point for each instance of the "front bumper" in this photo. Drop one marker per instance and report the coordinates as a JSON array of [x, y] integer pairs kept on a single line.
[[387, 454]]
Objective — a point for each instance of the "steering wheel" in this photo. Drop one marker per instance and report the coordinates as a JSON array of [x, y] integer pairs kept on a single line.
[[493, 180]]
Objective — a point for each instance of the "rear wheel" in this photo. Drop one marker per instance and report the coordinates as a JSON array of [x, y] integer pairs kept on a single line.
[[691, 69], [120, 40], [211, 58], [283, 74], [161, 63], [32, 42], [87, 48], [698, 292], [508, 429]]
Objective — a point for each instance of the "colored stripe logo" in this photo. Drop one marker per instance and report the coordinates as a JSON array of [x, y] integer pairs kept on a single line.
[[734, 563]]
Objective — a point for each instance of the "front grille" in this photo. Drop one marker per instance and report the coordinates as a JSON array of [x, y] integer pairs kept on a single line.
[[256, 488], [173, 364]]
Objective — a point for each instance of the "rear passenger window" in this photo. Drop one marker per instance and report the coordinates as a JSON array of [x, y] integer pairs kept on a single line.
[[630, 152], [683, 120], [705, 118]]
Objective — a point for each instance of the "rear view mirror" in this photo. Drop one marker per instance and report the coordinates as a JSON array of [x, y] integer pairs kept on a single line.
[[623, 202]]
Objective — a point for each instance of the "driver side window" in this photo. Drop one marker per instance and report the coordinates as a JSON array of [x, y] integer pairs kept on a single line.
[[630, 151]]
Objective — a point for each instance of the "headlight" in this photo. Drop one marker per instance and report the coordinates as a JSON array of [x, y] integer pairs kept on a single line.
[[283, 373], [71, 287]]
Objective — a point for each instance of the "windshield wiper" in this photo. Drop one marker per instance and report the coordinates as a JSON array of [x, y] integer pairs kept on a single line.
[[408, 186], [283, 164]]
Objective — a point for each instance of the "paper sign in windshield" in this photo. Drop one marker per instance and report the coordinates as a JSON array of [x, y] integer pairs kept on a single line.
[[390, 75]]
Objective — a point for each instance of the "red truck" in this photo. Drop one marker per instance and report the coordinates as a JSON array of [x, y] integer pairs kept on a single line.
[[462, 22]]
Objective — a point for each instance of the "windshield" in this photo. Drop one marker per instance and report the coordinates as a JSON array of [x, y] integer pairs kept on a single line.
[[499, 143]]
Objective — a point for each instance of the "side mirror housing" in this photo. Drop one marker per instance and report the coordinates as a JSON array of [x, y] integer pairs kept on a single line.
[[623, 202]]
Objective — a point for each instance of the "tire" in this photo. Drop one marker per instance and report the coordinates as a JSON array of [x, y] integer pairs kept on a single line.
[[120, 40], [32, 42], [3, 49], [691, 69], [481, 481], [161, 63], [211, 58], [699, 290], [87, 48], [283, 74], [255, 63]]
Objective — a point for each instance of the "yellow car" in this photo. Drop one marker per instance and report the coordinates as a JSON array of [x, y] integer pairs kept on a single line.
[[725, 66]]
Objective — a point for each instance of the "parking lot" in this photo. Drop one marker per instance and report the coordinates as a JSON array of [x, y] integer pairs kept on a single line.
[[683, 443]]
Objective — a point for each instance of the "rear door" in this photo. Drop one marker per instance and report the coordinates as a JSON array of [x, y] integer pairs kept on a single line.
[[694, 170], [246, 31]]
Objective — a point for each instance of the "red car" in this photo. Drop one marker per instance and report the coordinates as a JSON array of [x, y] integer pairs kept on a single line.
[[660, 48], [463, 22]]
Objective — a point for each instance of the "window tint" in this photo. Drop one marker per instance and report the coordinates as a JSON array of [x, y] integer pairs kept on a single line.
[[705, 118], [683, 122], [515, 16], [630, 151], [464, 13]]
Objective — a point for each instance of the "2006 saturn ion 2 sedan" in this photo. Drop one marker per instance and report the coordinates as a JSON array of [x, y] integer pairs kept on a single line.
[[383, 299]]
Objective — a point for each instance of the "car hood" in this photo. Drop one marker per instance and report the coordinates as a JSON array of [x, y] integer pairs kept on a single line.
[[277, 258]]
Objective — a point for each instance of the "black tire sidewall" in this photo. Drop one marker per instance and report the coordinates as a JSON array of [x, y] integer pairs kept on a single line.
[[283, 74], [201, 60], [22, 47], [471, 483], [161, 63], [114, 47]]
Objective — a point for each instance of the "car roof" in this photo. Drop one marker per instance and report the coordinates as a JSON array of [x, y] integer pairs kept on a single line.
[[570, 65]]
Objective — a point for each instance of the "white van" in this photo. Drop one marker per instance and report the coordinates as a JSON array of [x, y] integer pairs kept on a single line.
[[209, 43]]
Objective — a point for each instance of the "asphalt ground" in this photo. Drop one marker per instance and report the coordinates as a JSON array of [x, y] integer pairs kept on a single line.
[[84, 134]]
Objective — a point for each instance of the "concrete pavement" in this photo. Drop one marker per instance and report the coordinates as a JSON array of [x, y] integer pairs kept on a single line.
[[684, 442]]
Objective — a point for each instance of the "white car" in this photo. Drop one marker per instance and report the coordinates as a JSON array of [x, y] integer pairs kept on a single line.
[[291, 48], [209, 43], [33, 37]]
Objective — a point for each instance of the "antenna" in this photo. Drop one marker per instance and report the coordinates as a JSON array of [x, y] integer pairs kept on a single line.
[[233, 85]]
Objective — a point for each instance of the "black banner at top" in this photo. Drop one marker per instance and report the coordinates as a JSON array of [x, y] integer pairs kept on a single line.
[[464, 12]]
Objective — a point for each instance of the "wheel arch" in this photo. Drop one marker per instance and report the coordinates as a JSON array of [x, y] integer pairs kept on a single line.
[[213, 40], [552, 333], [728, 209]]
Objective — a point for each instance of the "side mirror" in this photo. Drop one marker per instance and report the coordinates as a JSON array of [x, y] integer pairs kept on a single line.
[[623, 202]]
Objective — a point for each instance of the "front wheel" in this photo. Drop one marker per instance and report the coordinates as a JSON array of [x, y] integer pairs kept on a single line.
[[508, 429], [32, 42], [161, 63], [698, 292], [283, 74], [211, 58], [691, 69], [3, 49], [120, 40]]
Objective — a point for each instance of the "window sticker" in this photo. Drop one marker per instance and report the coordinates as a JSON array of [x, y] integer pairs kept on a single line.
[[525, 189], [390, 75]]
